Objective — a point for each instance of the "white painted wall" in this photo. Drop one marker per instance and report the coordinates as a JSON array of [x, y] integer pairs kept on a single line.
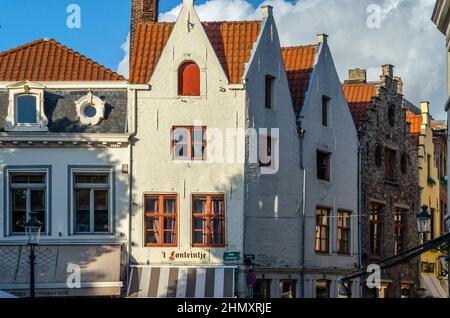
[[60, 159], [158, 110], [339, 138]]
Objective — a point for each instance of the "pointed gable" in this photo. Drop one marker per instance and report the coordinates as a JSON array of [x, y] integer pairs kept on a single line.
[[415, 122], [359, 99], [48, 60], [299, 63], [232, 42]]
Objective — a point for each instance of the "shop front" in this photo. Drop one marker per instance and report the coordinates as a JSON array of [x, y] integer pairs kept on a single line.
[[64, 270]]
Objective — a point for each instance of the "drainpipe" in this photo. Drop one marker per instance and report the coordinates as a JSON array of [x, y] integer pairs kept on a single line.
[[360, 214], [301, 133]]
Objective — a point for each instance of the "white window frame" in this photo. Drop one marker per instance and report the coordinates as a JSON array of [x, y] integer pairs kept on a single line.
[[92, 187], [26, 88], [9, 188]]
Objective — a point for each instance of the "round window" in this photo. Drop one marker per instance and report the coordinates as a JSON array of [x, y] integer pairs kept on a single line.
[[90, 111]]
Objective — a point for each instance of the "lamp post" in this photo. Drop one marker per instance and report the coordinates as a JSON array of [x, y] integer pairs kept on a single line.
[[424, 223], [33, 232]]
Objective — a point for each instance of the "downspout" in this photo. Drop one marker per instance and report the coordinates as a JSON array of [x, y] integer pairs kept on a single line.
[[301, 133], [360, 215]]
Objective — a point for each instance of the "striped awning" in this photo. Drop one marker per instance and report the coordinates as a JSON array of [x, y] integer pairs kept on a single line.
[[181, 282], [433, 286]]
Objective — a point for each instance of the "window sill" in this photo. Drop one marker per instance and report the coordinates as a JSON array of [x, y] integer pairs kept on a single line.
[[208, 246], [391, 182], [322, 253], [160, 245], [25, 128]]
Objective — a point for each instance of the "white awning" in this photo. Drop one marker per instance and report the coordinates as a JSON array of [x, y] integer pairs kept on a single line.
[[434, 287], [181, 282]]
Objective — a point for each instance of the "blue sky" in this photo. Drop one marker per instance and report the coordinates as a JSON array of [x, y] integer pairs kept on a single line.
[[406, 37], [104, 25]]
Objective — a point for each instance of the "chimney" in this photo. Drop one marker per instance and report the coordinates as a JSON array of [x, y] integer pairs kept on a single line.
[[357, 75], [425, 109], [266, 11], [388, 70], [142, 11], [322, 38], [399, 81]]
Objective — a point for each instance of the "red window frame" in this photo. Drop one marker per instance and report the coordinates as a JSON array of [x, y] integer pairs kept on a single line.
[[400, 229], [322, 230], [190, 143], [189, 79], [376, 224], [161, 215], [344, 232], [209, 217]]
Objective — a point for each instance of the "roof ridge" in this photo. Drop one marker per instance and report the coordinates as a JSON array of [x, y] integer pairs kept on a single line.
[[23, 46], [298, 46]]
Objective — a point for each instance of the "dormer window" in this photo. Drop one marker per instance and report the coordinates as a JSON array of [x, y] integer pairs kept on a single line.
[[189, 79], [26, 107], [26, 110]]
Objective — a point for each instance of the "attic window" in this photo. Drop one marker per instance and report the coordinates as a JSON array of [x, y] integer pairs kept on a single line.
[[90, 109], [189, 79], [26, 107], [26, 112]]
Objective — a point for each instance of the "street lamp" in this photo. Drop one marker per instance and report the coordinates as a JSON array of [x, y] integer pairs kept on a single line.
[[33, 232], [424, 223]]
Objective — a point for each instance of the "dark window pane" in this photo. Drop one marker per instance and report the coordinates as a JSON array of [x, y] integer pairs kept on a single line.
[[169, 237], [91, 179], [169, 206], [153, 224], [169, 224], [151, 205], [18, 220], [19, 199], [199, 205], [153, 238], [82, 205], [200, 223], [90, 111], [28, 179], [26, 109], [101, 222], [218, 206]]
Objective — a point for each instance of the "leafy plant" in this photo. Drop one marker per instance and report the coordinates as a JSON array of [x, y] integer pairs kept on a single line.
[[431, 182]]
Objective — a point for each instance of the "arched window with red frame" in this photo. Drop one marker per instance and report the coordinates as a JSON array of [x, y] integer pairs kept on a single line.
[[189, 79]]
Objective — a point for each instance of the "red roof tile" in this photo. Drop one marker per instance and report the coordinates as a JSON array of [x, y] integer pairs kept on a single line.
[[299, 63], [232, 42], [48, 60], [359, 99]]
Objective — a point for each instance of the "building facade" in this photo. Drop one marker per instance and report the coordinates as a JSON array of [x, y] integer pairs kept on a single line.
[[329, 159], [430, 184], [64, 155], [390, 193]]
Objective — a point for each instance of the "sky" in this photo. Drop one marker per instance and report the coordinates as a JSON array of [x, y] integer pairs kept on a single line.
[[362, 33]]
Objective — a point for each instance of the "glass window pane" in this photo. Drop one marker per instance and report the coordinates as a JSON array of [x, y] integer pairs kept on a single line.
[[82, 221], [153, 238], [169, 237], [92, 179], [218, 206], [200, 223], [28, 179], [153, 224], [101, 222], [37, 200], [26, 109], [169, 206], [200, 238], [169, 223], [151, 205], [19, 200], [199, 205]]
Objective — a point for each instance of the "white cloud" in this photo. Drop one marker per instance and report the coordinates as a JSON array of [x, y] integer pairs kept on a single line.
[[124, 65], [407, 37]]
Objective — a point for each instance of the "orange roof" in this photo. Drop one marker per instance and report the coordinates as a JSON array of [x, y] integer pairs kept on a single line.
[[299, 63], [359, 98], [48, 60], [232, 42], [415, 121]]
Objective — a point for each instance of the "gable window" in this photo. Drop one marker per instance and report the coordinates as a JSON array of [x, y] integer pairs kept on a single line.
[[325, 110], [343, 232], [375, 228], [208, 220], [391, 164], [92, 203], [269, 91], [189, 79], [400, 229], [391, 115], [323, 165], [322, 230], [26, 110], [189, 143], [161, 219], [28, 193]]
